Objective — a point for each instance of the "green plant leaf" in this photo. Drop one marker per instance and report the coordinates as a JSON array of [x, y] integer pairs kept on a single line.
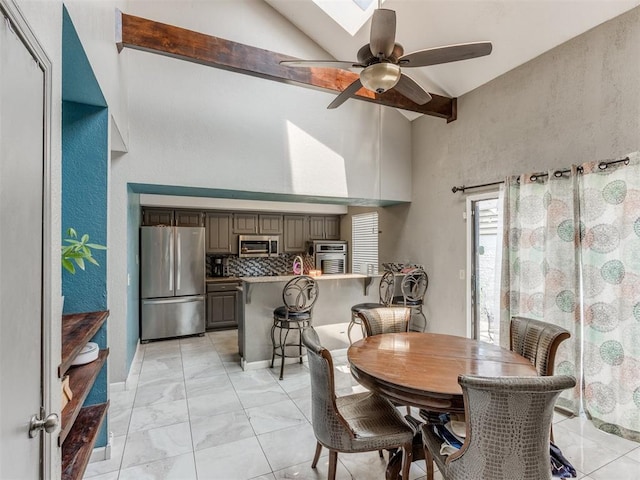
[[68, 265], [78, 251], [92, 260]]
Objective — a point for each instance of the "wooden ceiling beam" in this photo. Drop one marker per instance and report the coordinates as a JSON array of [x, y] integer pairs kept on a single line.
[[147, 35]]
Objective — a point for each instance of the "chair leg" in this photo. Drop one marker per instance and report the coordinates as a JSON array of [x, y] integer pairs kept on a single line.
[[424, 324], [283, 344], [333, 463], [429, 462], [316, 457], [407, 458], [300, 343], [273, 342], [351, 324]]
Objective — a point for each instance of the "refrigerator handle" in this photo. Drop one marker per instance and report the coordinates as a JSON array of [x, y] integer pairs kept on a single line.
[[171, 262], [178, 262], [172, 300]]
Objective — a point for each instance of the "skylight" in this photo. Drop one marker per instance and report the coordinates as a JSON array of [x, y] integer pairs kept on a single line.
[[349, 14]]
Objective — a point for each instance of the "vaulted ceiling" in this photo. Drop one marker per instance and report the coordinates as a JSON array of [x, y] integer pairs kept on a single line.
[[520, 30]]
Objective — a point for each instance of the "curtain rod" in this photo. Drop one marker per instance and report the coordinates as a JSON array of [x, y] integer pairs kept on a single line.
[[558, 173]]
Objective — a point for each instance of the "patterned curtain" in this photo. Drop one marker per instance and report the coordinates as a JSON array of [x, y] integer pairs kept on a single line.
[[610, 215], [539, 262]]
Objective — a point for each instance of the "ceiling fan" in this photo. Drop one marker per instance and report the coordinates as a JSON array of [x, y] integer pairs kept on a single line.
[[382, 58]]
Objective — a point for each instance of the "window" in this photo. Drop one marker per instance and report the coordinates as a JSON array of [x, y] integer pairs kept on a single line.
[[349, 14], [364, 242]]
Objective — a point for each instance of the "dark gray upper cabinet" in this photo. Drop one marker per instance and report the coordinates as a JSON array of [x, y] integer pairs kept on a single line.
[[270, 224], [223, 228], [218, 233], [332, 228], [152, 217], [316, 228], [189, 218], [324, 227], [295, 233], [245, 223]]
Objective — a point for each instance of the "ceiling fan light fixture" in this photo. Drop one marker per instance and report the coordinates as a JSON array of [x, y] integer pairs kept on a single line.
[[380, 77]]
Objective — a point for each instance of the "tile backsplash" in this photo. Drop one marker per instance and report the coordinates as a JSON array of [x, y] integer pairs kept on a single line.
[[259, 267]]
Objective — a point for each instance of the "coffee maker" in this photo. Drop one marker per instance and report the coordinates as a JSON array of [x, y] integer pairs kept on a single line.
[[218, 267]]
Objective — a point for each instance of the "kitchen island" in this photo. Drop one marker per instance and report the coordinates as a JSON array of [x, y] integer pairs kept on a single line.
[[337, 294]]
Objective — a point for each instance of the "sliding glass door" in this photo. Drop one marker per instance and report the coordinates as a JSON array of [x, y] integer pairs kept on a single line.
[[484, 240]]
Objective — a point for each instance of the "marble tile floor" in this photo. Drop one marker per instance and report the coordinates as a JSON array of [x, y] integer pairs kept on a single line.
[[190, 412]]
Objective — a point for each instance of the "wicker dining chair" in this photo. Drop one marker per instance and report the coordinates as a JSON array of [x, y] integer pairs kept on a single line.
[[358, 422], [386, 291], [507, 429], [385, 320]]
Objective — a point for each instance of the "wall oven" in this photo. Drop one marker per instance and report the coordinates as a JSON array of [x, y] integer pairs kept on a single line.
[[258, 246], [330, 256]]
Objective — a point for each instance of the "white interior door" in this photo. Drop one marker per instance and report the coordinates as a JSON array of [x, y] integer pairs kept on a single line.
[[22, 165]]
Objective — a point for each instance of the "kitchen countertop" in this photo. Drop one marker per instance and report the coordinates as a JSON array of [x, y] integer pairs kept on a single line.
[[286, 278], [223, 279]]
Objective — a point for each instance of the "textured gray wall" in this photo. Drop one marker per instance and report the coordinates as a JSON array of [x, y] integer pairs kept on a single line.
[[578, 102]]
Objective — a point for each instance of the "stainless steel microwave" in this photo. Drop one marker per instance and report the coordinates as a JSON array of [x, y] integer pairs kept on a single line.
[[258, 245]]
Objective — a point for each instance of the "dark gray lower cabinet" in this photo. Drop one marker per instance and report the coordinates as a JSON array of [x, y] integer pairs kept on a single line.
[[222, 305]]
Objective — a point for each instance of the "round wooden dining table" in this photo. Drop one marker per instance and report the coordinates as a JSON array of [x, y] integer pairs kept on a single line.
[[421, 369]]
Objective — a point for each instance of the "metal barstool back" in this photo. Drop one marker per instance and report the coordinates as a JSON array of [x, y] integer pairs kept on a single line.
[[298, 295], [387, 288], [414, 287], [386, 291]]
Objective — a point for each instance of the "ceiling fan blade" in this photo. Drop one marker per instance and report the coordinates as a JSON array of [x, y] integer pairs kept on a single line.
[[383, 32], [410, 89], [450, 53], [346, 94], [321, 64]]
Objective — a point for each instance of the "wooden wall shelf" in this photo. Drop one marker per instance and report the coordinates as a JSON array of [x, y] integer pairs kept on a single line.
[[80, 426], [77, 330], [81, 379], [79, 444]]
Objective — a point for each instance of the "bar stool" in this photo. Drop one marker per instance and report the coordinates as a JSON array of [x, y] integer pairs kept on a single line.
[[414, 286], [299, 295], [386, 291]]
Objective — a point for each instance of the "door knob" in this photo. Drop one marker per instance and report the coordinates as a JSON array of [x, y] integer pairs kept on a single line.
[[48, 423]]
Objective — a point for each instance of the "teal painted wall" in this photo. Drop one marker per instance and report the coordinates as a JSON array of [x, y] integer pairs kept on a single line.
[[133, 290], [85, 173], [84, 207], [84, 200]]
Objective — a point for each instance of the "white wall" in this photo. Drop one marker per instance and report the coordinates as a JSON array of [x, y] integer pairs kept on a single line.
[[196, 126], [576, 103], [94, 22]]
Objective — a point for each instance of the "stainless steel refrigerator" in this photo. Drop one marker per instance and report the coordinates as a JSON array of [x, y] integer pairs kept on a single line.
[[172, 282]]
